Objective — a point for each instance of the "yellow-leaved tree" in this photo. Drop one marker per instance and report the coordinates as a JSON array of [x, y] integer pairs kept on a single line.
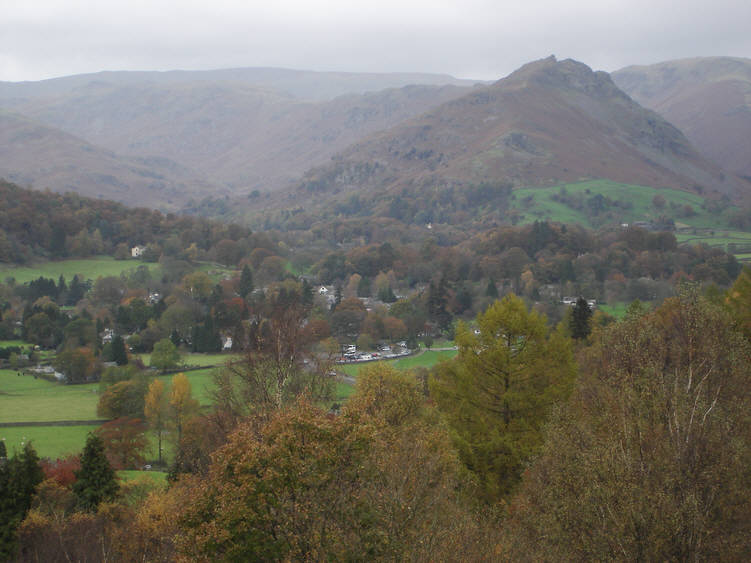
[[497, 393], [181, 402], [156, 409]]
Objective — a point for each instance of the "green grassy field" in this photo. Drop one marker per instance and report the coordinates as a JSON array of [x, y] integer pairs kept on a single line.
[[427, 359], [25, 399], [196, 359], [618, 310], [542, 206], [48, 441], [343, 391], [89, 268]]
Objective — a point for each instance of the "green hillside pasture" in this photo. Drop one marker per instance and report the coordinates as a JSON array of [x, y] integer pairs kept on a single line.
[[88, 269], [542, 206], [48, 441], [25, 399], [737, 242], [426, 359]]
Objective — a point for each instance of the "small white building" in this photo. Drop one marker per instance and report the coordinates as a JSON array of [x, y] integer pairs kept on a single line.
[[136, 251], [226, 344]]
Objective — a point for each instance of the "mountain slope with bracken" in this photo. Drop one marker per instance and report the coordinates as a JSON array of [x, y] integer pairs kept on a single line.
[[709, 99], [548, 123]]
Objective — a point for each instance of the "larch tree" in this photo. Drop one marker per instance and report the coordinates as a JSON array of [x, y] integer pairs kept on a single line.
[[497, 393]]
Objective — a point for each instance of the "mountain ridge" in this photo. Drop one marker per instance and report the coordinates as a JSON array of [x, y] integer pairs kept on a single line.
[[549, 122]]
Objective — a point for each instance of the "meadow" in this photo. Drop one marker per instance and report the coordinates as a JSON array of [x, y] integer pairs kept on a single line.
[[91, 268], [48, 441], [536, 204]]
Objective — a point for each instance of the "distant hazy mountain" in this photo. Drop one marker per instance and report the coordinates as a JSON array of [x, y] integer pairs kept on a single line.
[[32, 153], [241, 136], [709, 99], [547, 123], [302, 84]]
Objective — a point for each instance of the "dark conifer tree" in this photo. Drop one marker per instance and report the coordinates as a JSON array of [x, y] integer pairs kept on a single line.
[[581, 315], [19, 477], [119, 354], [96, 479], [492, 290], [246, 282]]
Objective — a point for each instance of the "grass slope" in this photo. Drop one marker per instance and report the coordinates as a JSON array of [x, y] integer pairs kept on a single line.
[[536, 204]]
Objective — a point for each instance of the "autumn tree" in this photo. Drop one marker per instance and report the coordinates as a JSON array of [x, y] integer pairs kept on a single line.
[[273, 369], [124, 442], [649, 460], [739, 301], [156, 411], [182, 405], [317, 487], [497, 393], [124, 398]]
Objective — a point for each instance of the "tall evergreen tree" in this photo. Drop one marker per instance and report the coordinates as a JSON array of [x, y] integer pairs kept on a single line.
[[96, 479], [119, 354], [492, 289], [246, 282], [580, 319], [19, 477]]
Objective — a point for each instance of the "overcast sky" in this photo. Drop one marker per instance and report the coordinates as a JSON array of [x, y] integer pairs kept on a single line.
[[482, 39]]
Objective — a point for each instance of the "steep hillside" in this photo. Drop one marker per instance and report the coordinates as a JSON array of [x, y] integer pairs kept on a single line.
[[31, 153], [238, 135], [709, 99], [548, 123]]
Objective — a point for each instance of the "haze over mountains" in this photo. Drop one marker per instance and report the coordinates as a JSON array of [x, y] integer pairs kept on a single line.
[[162, 139], [242, 137], [709, 99]]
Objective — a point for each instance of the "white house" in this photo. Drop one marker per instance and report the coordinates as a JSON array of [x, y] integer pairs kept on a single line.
[[136, 251]]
